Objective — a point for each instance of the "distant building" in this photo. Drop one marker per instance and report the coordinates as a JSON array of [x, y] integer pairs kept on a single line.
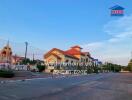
[[117, 11], [17, 59], [6, 54], [96, 62], [73, 56]]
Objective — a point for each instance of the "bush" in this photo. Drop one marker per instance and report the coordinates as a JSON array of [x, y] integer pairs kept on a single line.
[[96, 70], [41, 68], [117, 69], [6, 74], [89, 71]]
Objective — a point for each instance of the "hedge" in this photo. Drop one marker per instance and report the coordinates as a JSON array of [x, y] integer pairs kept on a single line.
[[6, 74], [41, 68]]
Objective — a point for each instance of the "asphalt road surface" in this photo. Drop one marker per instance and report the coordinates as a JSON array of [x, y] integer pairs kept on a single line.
[[106, 86]]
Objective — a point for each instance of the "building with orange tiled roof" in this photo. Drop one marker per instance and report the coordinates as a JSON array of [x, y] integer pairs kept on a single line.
[[72, 55]]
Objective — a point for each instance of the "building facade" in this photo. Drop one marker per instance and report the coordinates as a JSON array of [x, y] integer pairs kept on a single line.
[[72, 56]]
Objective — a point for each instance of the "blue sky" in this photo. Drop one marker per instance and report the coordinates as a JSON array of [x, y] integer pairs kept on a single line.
[[62, 23]]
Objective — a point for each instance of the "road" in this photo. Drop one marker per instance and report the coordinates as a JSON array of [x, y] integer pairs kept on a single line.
[[106, 86]]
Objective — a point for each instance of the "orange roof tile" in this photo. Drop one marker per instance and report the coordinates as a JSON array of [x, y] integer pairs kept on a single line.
[[74, 52], [63, 52]]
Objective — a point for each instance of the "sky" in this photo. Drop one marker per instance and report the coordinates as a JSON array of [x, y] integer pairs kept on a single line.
[[46, 24]]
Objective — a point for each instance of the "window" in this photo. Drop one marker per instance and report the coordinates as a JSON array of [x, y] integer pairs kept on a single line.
[[81, 59], [67, 61], [86, 59]]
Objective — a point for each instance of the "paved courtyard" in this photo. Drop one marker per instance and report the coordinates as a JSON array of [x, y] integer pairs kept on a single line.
[[106, 86]]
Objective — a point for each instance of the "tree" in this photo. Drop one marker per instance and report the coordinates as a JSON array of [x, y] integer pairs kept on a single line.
[[41, 68], [112, 67], [25, 61], [31, 62], [129, 67]]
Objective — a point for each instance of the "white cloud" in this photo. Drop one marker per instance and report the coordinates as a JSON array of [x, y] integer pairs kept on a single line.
[[119, 29], [117, 48], [92, 46], [119, 26]]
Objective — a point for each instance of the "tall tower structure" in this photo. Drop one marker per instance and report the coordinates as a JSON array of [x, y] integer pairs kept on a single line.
[[6, 54]]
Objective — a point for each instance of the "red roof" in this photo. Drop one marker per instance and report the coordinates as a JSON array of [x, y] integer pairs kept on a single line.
[[74, 52], [70, 55], [17, 57], [63, 52]]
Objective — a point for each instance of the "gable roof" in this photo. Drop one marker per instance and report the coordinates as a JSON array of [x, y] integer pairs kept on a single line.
[[61, 51], [56, 56], [74, 52], [47, 54], [117, 7]]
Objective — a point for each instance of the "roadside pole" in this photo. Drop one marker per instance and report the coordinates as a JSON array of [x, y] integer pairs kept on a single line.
[[26, 43]]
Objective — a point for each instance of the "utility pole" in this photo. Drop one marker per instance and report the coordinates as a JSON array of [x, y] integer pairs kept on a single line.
[[26, 43], [33, 56]]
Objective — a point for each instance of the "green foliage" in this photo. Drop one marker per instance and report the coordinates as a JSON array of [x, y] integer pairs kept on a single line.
[[95, 69], [25, 61], [105, 67], [129, 67], [117, 69], [41, 68], [31, 62], [79, 67], [6, 74], [112, 67], [89, 70]]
